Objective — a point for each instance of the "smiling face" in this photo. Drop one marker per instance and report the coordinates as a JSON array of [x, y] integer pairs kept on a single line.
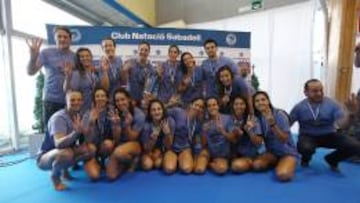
[[173, 53], [144, 51], [156, 111], [85, 58], [109, 48], [261, 103], [211, 50], [314, 91], [239, 106], [122, 102], [188, 60], [212, 107], [197, 107], [62, 39], [225, 77], [100, 98], [74, 101]]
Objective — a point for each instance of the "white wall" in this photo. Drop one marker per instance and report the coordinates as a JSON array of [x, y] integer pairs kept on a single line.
[[281, 48]]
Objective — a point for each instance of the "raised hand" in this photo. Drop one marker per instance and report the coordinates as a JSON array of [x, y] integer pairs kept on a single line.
[[34, 44], [114, 117], [128, 118], [352, 104], [250, 124], [186, 80], [68, 67], [238, 132], [94, 113], [219, 125], [159, 69], [269, 116], [77, 124], [128, 64], [104, 61], [206, 127], [165, 127]]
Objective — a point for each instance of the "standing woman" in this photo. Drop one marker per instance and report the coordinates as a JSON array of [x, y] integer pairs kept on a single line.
[[140, 74], [189, 79], [157, 137], [217, 132], [167, 92], [230, 86], [247, 142], [281, 150], [83, 77], [110, 66], [127, 122], [98, 129]]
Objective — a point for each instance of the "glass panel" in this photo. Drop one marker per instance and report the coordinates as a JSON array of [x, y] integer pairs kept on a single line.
[[4, 115], [27, 17], [25, 86]]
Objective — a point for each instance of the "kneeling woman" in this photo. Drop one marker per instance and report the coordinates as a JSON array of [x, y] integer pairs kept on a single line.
[[217, 132], [248, 142], [187, 142], [98, 131], [281, 150], [127, 122], [157, 137]]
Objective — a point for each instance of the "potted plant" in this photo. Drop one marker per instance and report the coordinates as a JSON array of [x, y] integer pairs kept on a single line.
[[36, 138]]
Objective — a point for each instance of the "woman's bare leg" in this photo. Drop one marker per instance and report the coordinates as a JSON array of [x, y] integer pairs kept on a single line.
[[201, 162], [219, 166], [186, 162], [158, 158], [241, 165], [285, 168], [264, 162], [170, 162], [146, 162]]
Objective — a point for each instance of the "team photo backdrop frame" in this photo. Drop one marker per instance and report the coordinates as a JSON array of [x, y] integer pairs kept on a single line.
[[235, 45]]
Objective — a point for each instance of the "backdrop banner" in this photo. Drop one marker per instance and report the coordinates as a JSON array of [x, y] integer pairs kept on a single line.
[[235, 45]]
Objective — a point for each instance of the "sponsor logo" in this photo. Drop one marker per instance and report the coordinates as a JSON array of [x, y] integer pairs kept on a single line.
[[231, 39], [75, 35]]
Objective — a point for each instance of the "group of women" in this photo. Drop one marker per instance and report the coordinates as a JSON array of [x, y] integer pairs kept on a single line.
[[176, 115], [177, 128]]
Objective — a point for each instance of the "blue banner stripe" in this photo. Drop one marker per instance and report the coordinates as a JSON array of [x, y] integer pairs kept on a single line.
[[158, 36]]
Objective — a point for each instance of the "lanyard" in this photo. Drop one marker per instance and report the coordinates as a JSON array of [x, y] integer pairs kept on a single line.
[[315, 114], [191, 128], [155, 129], [172, 75], [193, 79], [228, 91]]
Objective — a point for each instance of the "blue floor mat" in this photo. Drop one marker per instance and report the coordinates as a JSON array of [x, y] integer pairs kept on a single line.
[[24, 182]]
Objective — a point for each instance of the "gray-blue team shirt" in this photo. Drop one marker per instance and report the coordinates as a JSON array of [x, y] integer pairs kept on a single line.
[[187, 133], [138, 75], [272, 142], [148, 130], [218, 145], [316, 119], [211, 67], [54, 60]]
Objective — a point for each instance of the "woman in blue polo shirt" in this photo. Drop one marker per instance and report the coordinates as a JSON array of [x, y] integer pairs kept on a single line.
[[280, 147]]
